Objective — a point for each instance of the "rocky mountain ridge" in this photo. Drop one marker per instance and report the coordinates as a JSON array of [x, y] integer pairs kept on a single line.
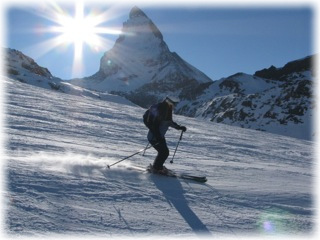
[[282, 105], [24, 69]]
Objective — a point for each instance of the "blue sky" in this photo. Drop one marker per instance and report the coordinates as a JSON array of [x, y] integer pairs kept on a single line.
[[220, 41]]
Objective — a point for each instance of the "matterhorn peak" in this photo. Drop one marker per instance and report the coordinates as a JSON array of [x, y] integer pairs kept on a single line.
[[137, 12], [140, 59], [139, 19]]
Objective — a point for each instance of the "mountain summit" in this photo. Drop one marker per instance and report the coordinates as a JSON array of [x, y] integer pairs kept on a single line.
[[140, 58], [137, 13]]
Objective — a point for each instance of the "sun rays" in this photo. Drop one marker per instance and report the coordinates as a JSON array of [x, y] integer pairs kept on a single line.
[[77, 30]]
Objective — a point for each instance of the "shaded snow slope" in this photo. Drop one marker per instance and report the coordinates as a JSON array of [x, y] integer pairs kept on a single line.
[[58, 147]]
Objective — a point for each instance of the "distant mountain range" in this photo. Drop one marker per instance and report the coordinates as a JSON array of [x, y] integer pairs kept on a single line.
[[141, 68], [282, 105]]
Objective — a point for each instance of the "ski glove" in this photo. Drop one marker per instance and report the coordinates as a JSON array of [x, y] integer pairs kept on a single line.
[[183, 128]]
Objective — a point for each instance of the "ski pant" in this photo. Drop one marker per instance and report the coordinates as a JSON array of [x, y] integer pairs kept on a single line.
[[163, 153]]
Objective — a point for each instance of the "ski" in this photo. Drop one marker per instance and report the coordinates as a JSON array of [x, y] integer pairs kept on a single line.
[[195, 178], [172, 173]]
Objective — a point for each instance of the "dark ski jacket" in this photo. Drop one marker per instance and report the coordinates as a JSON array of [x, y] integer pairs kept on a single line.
[[158, 119]]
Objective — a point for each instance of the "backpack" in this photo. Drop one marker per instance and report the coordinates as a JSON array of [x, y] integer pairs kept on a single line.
[[150, 115]]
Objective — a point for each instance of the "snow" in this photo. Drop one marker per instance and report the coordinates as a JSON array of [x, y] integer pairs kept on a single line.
[[58, 146]]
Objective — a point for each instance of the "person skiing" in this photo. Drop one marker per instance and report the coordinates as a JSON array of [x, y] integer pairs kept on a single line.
[[158, 118]]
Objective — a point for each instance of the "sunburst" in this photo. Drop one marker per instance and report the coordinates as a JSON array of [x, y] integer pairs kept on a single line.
[[77, 30]]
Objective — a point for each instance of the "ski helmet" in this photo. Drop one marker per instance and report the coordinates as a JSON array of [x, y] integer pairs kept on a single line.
[[172, 100]]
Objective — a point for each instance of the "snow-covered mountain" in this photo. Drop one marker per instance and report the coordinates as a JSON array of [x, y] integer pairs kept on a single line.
[[274, 100], [24, 69], [141, 66], [57, 184]]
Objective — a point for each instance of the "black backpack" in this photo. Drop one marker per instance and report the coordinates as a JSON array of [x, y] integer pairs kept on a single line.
[[150, 115]]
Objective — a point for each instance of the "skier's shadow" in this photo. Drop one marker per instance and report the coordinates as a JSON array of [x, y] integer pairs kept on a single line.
[[173, 192]]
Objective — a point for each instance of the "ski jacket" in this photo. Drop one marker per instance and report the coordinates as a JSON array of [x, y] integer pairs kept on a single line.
[[158, 118]]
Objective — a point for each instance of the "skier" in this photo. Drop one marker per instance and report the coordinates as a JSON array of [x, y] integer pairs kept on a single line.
[[158, 118]]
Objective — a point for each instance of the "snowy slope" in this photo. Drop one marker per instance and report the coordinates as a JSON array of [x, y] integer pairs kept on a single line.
[[58, 146]]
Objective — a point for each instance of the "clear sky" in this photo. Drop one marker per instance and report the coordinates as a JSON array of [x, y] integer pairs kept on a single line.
[[219, 41]]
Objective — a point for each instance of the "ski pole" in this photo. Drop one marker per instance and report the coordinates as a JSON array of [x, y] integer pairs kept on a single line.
[[141, 150], [145, 149], [177, 147]]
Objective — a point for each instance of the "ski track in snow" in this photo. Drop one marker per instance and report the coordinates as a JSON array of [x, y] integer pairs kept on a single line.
[[58, 147]]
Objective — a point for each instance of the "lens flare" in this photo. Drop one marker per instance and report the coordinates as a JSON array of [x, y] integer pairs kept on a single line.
[[276, 221]]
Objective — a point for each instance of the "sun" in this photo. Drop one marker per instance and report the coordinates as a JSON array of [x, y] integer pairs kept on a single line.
[[78, 30]]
